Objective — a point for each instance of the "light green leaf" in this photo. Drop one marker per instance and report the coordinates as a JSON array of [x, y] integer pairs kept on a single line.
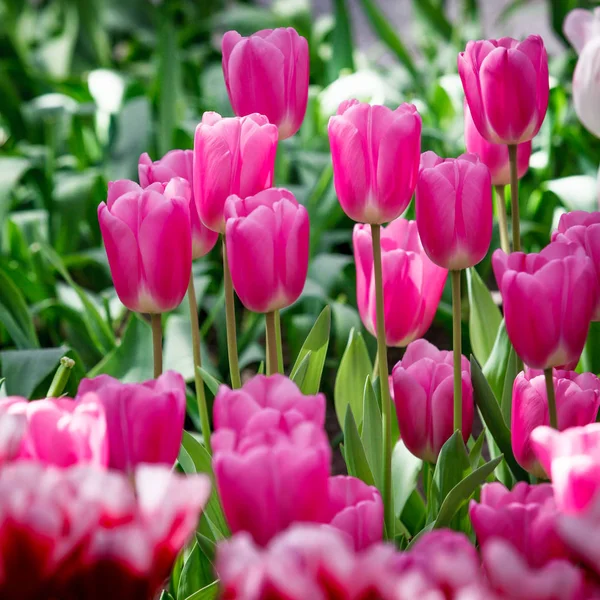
[[197, 573], [300, 374], [210, 592], [354, 452], [495, 367], [211, 382], [14, 314], [405, 474], [475, 452], [371, 435]]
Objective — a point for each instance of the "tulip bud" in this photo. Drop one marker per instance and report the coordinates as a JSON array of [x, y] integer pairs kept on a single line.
[[586, 86], [148, 241], [424, 398], [410, 279], [506, 87], [267, 248], [454, 210], [231, 156], [267, 73], [375, 153]]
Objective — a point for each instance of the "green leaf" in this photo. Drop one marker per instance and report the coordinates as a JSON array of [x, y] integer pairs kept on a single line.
[[405, 474], [14, 314], [354, 452], [12, 168], [484, 317], [316, 343], [507, 392], [342, 56], [495, 367], [372, 435], [475, 452], [211, 382], [353, 371], [461, 492], [301, 371], [414, 513], [210, 592], [433, 12], [197, 572]]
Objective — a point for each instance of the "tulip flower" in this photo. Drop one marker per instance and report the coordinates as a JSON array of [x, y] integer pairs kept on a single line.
[[586, 86], [145, 420], [580, 26], [410, 279], [577, 403], [424, 398], [179, 163], [60, 432], [356, 509], [12, 430], [580, 533], [375, 153], [267, 73]]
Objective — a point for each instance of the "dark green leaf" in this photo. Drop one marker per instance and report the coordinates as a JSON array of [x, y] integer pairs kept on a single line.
[[433, 12], [342, 57], [414, 513], [507, 392], [475, 452], [14, 314], [495, 366], [371, 434], [354, 452]]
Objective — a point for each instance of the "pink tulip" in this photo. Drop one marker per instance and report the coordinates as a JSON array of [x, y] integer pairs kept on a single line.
[[357, 510], [375, 153], [12, 430], [454, 210], [424, 399], [580, 533], [410, 280], [145, 420], [572, 459], [267, 73], [577, 403], [549, 299], [231, 156], [60, 432], [148, 243], [179, 163], [580, 26], [506, 86], [494, 156], [267, 248]]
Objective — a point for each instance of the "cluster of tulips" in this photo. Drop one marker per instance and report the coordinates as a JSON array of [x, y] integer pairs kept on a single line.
[[89, 504]]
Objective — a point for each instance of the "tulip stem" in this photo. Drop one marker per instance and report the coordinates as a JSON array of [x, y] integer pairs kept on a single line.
[[232, 352], [502, 219], [279, 345], [196, 352], [272, 359], [59, 381], [456, 343], [155, 320], [384, 384], [551, 397], [514, 197]]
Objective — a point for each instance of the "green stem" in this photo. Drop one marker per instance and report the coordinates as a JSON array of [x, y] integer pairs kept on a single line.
[[551, 397], [456, 343], [59, 381], [155, 320], [232, 352], [271, 343], [384, 385], [514, 197], [502, 219], [200, 395], [279, 344]]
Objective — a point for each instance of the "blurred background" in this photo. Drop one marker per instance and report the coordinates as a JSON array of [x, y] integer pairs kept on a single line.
[[86, 86]]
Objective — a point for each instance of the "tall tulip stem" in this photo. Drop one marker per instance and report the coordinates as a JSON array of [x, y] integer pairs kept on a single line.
[[196, 352], [155, 320], [456, 343], [551, 397], [272, 360], [232, 353], [279, 345], [502, 219], [384, 384], [514, 197]]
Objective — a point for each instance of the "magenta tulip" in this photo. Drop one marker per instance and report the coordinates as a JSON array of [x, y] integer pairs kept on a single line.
[[231, 156], [410, 280], [580, 533], [424, 398], [506, 86], [179, 163], [267, 73], [148, 243], [375, 153], [145, 420], [577, 403], [357, 510], [454, 210], [267, 248], [549, 299], [494, 156]]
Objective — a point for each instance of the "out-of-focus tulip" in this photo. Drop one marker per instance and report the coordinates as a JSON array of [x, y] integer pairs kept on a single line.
[[375, 152], [572, 459], [424, 398], [577, 403], [580, 533], [145, 420], [267, 248], [356, 509], [506, 87], [580, 26], [494, 156], [179, 163], [586, 86], [549, 299], [410, 280], [267, 73], [231, 156], [454, 210], [59, 431], [12, 430], [148, 241]]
